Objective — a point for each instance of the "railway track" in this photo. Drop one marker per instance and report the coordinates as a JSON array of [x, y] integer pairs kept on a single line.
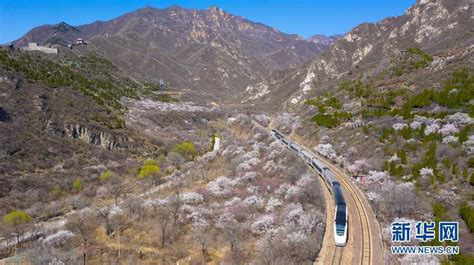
[[337, 257], [366, 242]]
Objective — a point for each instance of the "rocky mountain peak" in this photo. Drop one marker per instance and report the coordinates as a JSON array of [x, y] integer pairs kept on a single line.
[[322, 39]]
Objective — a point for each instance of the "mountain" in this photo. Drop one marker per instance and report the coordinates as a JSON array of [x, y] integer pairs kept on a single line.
[[210, 51], [324, 40], [439, 27]]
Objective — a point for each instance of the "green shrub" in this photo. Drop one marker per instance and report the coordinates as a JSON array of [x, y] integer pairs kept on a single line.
[[455, 169], [395, 170], [325, 120], [57, 192], [77, 185], [149, 169], [470, 162], [104, 176], [365, 129], [17, 217], [186, 149], [334, 103], [467, 214], [463, 259], [402, 154], [439, 211], [464, 134], [456, 93]]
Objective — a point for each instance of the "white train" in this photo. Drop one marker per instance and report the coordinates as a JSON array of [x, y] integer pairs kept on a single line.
[[341, 224]]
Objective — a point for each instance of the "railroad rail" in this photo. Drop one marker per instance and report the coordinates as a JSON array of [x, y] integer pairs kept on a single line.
[[366, 236]]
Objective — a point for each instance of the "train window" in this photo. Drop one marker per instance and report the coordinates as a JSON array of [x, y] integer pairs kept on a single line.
[[340, 228], [341, 214]]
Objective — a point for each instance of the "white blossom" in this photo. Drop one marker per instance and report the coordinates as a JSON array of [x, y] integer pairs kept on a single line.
[[415, 125], [238, 151], [233, 202], [432, 128], [399, 126], [270, 166], [426, 171], [250, 155], [253, 189], [198, 219], [376, 177], [448, 129], [191, 197], [254, 201], [226, 219], [274, 154], [305, 180], [425, 259], [291, 191], [352, 150], [460, 118], [272, 203], [372, 196], [296, 237], [325, 139], [394, 158], [468, 146], [358, 166], [221, 186], [263, 119], [296, 217], [208, 157], [263, 224], [450, 139], [326, 150], [115, 210]]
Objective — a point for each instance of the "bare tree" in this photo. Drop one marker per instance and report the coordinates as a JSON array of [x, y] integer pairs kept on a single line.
[[175, 205], [164, 216], [118, 221], [233, 232], [83, 223], [399, 200], [104, 214], [135, 207], [203, 236], [116, 188]]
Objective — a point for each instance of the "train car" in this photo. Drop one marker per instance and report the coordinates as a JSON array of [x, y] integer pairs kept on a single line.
[[285, 141], [317, 165], [329, 177], [341, 216], [295, 147], [276, 134], [306, 156]]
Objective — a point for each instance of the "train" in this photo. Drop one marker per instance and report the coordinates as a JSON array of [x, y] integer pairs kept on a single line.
[[341, 214]]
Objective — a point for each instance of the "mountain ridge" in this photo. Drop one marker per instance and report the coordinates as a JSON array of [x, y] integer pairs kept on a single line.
[[191, 49]]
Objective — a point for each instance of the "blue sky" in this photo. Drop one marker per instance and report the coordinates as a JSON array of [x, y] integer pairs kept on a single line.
[[303, 17]]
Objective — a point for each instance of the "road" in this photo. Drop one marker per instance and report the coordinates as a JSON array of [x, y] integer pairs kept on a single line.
[[364, 245]]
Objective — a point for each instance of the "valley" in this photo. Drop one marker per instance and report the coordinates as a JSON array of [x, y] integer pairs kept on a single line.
[[102, 164]]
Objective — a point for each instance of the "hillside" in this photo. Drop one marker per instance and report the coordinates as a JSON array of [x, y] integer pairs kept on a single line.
[[441, 28]]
